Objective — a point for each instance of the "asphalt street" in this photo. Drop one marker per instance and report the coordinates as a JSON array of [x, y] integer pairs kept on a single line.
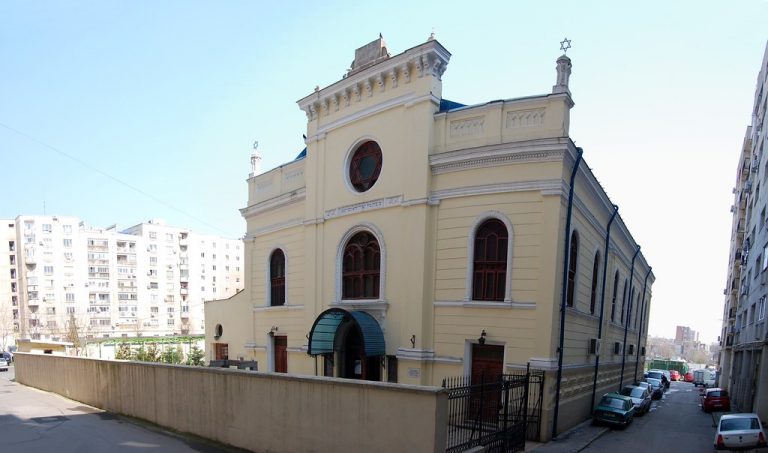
[[35, 421]]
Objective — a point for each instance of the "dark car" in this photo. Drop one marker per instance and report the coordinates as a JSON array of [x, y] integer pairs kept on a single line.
[[8, 357], [716, 399], [641, 398], [658, 374], [614, 409], [658, 388]]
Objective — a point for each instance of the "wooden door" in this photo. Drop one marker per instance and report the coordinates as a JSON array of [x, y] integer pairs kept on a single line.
[[221, 351], [487, 368], [281, 354]]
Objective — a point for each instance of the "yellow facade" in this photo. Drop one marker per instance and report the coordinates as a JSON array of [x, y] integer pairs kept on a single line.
[[444, 171]]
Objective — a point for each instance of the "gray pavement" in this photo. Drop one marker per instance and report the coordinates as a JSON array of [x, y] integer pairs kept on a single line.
[[32, 420]]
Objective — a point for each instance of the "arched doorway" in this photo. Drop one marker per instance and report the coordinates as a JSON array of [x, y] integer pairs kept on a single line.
[[353, 338]]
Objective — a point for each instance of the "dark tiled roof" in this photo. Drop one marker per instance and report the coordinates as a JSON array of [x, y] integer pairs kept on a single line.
[[446, 105], [302, 154]]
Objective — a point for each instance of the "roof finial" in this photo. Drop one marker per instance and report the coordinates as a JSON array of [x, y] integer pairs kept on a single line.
[[432, 35], [255, 160], [565, 44], [380, 36]]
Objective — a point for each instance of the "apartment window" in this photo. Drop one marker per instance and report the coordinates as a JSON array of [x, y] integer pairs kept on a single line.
[[70, 310], [572, 263], [169, 250], [67, 256], [761, 309], [105, 322], [50, 310], [152, 285], [758, 262], [154, 310], [169, 237], [489, 266], [214, 267], [13, 273], [67, 243], [104, 297], [169, 275], [185, 308], [153, 235], [48, 270], [171, 310], [202, 254], [152, 248], [171, 321], [202, 288], [277, 278], [69, 297], [12, 259], [67, 229], [47, 228], [152, 273]]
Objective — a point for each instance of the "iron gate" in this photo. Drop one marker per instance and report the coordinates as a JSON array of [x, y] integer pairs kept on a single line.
[[496, 413]]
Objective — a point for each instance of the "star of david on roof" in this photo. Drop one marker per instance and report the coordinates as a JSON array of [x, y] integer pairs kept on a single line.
[[565, 44]]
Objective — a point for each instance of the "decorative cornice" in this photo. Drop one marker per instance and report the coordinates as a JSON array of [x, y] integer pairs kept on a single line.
[[275, 203], [546, 150], [542, 185], [422, 355], [484, 304], [274, 227], [278, 308], [428, 59]]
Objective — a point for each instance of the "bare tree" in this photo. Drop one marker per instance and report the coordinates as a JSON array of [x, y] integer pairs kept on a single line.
[[77, 331], [6, 325]]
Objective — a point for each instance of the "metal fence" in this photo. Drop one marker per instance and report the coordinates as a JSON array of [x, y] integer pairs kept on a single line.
[[498, 412]]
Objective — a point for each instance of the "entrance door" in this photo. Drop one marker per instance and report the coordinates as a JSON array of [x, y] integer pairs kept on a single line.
[[221, 351], [281, 354], [354, 363], [487, 368]]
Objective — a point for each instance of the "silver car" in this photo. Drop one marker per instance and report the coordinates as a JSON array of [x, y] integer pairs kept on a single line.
[[3, 364], [640, 396], [739, 431]]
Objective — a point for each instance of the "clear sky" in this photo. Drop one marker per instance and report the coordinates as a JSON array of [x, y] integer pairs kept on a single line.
[[163, 101]]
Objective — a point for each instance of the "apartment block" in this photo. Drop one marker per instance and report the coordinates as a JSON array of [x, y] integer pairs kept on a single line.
[[744, 335], [148, 280]]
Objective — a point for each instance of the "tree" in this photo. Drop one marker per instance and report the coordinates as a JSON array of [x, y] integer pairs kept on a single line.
[[76, 332], [6, 325], [124, 352], [172, 355], [196, 356]]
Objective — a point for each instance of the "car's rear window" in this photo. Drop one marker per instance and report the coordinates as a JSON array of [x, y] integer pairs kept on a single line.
[[737, 424], [654, 374], [718, 393], [612, 402]]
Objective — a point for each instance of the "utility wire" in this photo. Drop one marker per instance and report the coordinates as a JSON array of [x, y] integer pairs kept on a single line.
[[109, 176]]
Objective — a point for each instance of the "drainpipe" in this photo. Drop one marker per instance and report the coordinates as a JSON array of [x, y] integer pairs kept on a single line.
[[640, 328], [628, 318], [579, 153], [602, 304]]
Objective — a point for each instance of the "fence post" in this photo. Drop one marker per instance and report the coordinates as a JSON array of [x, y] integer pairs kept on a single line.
[[525, 397]]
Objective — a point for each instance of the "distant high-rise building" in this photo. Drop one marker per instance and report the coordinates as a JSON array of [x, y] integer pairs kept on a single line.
[[685, 334], [744, 338], [148, 280]]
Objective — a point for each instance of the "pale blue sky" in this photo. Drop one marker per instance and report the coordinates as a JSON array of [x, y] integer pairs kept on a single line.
[[168, 97]]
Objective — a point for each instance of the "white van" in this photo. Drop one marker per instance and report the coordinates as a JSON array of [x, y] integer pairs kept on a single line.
[[704, 378]]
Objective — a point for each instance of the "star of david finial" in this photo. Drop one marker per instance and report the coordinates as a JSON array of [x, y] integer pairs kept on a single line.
[[565, 44]]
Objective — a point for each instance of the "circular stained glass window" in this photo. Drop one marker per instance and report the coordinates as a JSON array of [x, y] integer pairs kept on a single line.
[[365, 166]]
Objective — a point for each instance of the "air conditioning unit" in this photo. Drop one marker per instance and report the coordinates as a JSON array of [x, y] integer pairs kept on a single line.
[[617, 348], [594, 346]]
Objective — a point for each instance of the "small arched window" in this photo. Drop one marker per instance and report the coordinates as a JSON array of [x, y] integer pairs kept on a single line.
[[572, 262], [277, 278], [490, 262], [632, 306], [624, 301], [593, 292], [361, 267], [613, 299]]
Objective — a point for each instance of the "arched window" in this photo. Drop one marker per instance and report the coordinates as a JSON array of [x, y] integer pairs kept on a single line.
[[613, 299], [593, 293], [490, 262], [361, 267], [632, 303], [277, 278], [572, 261], [623, 301]]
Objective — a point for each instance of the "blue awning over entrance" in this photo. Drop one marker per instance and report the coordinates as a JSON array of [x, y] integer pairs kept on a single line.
[[323, 334]]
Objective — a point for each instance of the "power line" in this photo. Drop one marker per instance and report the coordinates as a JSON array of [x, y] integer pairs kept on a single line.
[[109, 176]]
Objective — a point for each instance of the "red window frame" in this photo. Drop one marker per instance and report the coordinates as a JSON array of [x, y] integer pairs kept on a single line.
[[489, 269], [361, 267], [364, 181], [277, 278]]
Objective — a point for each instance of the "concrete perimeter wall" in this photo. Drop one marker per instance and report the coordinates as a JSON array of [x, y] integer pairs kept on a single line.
[[257, 411]]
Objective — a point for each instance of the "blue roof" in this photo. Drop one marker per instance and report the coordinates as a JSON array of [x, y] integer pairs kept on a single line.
[[323, 333], [302, 154], [446, 105]]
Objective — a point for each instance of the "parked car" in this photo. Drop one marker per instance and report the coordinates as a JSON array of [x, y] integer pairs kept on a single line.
[[659, 374], [3, 365], [641, 398], [674, 375], [739, 432], [614, 409], [8, 357], [688, 377], [658, 388], [700, 377], [711, 380], [716, 399], [646, 385]]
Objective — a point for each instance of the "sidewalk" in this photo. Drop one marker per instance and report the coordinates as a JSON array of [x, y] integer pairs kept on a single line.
[[574, 440]]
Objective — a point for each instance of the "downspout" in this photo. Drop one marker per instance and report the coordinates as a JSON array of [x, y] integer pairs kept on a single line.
[[602, 304], [627, 319], [640, 328], [566, 255]]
